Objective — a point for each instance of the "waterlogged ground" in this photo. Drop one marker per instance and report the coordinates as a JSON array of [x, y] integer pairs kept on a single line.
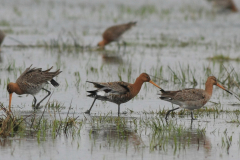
[[177, 42]]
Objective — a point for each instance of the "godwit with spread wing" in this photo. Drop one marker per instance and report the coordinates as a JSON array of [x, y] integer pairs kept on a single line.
[[118, 92], [191, 98], [31, 81], [114, 33]]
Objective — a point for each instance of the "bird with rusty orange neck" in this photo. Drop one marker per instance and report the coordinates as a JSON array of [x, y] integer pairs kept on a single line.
[[191, 98], [114, 33], [31, 81], [118, 92]]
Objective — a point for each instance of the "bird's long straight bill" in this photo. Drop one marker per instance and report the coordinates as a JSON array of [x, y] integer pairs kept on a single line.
[[10, 100], [223, 88], [154, 84], [232, 93]]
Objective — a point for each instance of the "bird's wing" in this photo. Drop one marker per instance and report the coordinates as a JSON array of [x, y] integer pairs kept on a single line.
[[36, 76], [115, 32], [189, 94], [112, 87]]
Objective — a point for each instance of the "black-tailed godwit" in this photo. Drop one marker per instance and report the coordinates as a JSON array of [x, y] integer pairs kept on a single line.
[[31, 81], [191, 98], [114, 33], [118, 92]]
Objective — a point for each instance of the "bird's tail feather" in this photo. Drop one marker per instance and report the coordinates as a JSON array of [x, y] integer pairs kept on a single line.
[[54, 83], [92, 93]]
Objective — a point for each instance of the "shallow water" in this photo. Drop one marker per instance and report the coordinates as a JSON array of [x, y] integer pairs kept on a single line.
[[170, 35]]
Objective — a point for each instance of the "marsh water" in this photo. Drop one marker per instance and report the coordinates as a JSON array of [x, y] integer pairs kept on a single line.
[[173, 42]]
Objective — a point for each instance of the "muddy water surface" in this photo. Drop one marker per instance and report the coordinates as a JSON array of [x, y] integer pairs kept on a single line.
[[171, 42]]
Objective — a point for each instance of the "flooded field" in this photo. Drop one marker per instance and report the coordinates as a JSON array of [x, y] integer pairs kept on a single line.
[[179, 43]]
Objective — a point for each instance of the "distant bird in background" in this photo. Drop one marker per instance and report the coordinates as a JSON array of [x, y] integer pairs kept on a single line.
[[31, 81], [114, 33], [118, 92], [191, 98], [2, 36], [224, 5]]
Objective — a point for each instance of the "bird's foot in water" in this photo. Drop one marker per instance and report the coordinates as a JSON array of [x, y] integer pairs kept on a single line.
[[37, 106]]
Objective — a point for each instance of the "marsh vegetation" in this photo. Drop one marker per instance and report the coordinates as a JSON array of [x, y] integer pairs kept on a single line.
[[178, 43]]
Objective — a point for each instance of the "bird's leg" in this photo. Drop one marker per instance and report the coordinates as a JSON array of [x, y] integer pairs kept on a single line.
[[170, 112], [192, 116], [34, 101], [124, 45], [166, 121], [118, 110], [191, 124], [88, 111], [37, 106]]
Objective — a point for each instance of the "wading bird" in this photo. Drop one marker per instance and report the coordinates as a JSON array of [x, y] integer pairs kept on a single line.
[[191, 98], [114, 33], [31, 81], [118, 92]]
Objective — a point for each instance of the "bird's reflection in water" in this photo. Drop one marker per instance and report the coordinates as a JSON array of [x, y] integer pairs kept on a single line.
[[171, 136], [5, 142], [180, 137], [199, 138], [2, 36], [115, 131], [111, 59]]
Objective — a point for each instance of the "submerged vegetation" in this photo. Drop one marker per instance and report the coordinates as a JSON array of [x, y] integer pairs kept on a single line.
[[223, 58], [120, 132], [179, 44]]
